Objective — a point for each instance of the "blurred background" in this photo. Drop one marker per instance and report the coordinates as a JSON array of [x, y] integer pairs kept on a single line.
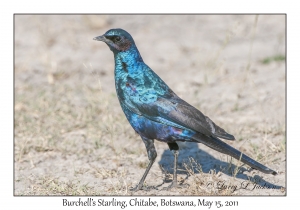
[[72, 138]]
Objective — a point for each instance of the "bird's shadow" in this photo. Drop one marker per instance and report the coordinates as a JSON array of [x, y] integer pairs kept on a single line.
[[197, 160]]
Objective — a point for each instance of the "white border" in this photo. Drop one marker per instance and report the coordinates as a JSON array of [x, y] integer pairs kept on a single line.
[[8, 201]]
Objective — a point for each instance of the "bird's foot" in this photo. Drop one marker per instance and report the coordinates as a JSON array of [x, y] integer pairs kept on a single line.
[[175, 185], [136, 188], [141, 187]]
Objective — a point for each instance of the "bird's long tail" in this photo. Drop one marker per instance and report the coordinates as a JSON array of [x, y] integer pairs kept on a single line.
[[220, 146]]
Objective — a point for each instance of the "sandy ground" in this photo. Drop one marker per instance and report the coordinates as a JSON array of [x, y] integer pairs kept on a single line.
[[71, 137]]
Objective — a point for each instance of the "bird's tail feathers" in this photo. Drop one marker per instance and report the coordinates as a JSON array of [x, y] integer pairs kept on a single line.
[[222, 147]]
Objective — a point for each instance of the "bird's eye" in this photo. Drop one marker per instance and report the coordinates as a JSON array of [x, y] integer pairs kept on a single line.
[[117, 38]]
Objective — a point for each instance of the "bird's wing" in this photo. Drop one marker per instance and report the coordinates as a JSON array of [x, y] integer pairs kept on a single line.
[[175, 110], [159, 103]]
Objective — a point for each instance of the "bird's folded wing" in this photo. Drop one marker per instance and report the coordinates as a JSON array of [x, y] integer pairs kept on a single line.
[[175, 110]]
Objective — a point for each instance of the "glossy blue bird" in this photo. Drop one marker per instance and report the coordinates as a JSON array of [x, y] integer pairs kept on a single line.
[[156, 112]]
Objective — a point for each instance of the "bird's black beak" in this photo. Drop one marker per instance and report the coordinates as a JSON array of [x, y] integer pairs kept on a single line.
[[100, 38]]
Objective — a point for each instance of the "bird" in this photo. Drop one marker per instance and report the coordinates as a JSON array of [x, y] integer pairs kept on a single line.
[[155, 112]]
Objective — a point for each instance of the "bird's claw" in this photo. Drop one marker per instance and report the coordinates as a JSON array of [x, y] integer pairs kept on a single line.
[[141, 187], [175, 185], [136, 188]]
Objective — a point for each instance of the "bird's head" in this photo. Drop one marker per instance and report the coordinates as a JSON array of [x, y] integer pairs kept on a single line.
[[117, 39]]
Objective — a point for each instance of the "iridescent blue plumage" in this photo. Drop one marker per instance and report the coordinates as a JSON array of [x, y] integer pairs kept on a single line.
[[155, 130], [156, 112]]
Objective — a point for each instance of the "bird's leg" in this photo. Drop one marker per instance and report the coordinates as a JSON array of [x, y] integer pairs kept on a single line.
[[174, 148], [149, 143]]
